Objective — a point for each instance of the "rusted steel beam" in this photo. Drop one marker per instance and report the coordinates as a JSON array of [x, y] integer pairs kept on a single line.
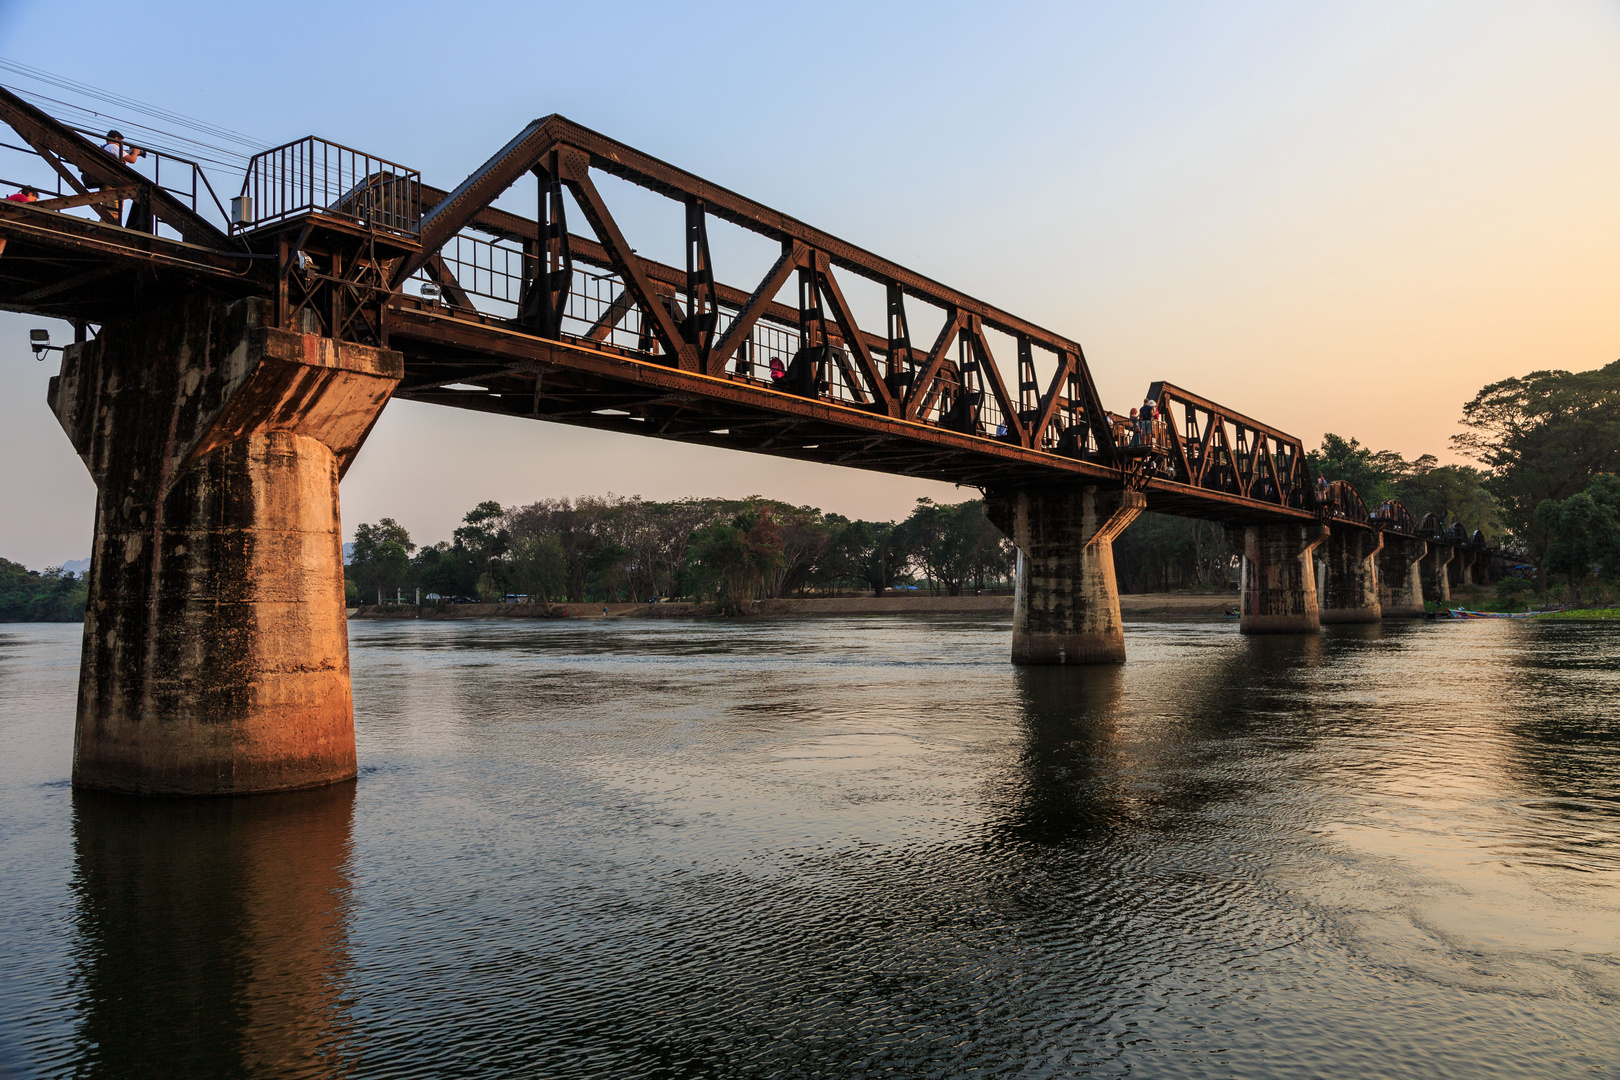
[[987, 364], [923, 390], [1159, 391], [85, 237], [95, 273], [1049, 402], [545, 298], [456, 210], [461, 205], [409, 323], [753, 307], [627, 263], [104, 196], [603, 327], [509, 226], [883, 398]]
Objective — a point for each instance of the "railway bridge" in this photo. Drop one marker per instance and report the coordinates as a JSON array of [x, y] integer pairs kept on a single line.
[[228, 362]]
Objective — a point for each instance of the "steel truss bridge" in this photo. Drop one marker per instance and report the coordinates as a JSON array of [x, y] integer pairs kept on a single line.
[[878, 367]]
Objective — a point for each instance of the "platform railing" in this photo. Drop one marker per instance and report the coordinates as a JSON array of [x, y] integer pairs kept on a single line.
[[313, 175]]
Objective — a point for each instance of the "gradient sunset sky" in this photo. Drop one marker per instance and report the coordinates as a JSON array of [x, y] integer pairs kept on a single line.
[[1333, 217]]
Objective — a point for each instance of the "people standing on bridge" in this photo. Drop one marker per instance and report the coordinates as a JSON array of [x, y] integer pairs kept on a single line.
[[26, 195], [116, 147], [1321, 489], [1136, 428], [778, 370], [125, 153]]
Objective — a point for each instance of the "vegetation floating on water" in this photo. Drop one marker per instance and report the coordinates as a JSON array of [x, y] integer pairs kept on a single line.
[[1582, 614]]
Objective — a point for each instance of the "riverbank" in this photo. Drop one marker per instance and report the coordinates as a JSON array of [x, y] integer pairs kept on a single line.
[[1178, 605]]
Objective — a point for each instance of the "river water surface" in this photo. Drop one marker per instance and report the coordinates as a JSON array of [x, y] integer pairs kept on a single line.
[[849, 848]]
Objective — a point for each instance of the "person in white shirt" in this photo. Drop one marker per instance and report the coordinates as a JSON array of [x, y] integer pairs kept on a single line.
[[115, 146]]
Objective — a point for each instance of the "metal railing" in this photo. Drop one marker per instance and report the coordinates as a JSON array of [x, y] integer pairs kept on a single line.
[[182, 179], [313, 175]]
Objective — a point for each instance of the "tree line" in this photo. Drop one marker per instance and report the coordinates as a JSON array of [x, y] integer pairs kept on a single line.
[[729, 551], [1549, 444], [51, 595], [1547, 485]]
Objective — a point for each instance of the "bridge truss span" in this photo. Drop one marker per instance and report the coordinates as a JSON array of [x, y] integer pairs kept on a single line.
[[600, 292], [227, 367]]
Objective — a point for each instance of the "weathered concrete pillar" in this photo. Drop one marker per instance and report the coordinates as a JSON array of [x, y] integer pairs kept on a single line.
[[1349, 591], [1400, 581], [1437, 574], [1067, 608], [215, 644], [1462, 567], [1279, 579]]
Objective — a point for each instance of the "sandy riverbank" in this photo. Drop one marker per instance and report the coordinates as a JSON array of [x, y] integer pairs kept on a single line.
[[1183, 605]]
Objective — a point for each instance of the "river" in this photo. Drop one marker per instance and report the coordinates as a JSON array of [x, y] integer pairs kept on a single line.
[[805, 848]]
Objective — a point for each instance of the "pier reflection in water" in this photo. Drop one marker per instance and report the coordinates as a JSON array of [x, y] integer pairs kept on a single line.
[[806, 848], [212, 937]]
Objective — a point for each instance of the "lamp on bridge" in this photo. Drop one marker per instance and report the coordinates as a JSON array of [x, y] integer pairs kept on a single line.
[[40, 340]]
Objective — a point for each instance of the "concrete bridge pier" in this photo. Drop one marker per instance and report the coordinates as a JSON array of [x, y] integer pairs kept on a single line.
[[1437, 573], [1462, 567], [1067, 607], [1279, 579], [215, 653], [1400, 580], [1349, 589]]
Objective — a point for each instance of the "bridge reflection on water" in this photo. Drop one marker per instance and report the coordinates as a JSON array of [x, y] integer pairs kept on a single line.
[[795, 846]]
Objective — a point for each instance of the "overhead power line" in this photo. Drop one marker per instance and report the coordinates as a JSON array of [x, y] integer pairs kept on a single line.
[[169, 116], [94, 121]]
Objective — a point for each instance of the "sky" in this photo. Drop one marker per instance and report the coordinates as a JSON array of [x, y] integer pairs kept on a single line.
[[1343, 217]]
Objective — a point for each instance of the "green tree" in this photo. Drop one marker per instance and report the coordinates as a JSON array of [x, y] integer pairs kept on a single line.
[[52, 595], [380, 561], [1372, 473], [1543, 436], [804, 535], [536, 566], [445, 570], [866, 554], [484, 538], [734, 560], [585, 528], [951, 543], [1457, 493], [1582, 533], [1158, 552]]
